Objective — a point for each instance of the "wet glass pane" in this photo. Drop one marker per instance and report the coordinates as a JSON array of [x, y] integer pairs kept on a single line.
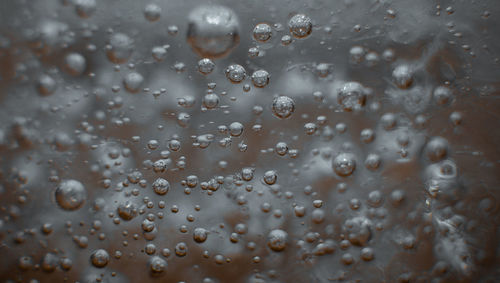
[[249, 141]]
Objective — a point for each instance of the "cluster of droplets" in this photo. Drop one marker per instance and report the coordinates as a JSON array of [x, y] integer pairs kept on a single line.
[[347, 199]]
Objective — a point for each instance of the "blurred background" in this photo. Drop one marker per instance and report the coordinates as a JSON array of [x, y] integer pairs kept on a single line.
[[257, 141]]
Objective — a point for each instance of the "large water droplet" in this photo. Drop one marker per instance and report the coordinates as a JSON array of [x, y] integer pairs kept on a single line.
[[213, 30], [70, 194]]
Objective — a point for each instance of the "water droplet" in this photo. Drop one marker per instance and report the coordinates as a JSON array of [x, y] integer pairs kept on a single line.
[[286, 40], [85, 8], [99, 258], [442, 95], [206, 66], [247, 173], [181, 249], [388, 121], [281, 148], [235, 73], [437, 149], [200, 235], [46, 85], [236, 129], [367, 254], [375, 198], [300, 26], [344, 164], [161, 186], [50, 262], [152, 12], [126, 210], [283, 107], [75, 64], [260, 78], [270, 177], [70, 195], [159, 53], [367, 135], [372, 161], [120, 48], [213, 30], [277, 240], [356, 54], [351, 96], [310, 128], [211, 100], [157, 264], [262, 32], [358, 230], [403, 76], [133, 82]]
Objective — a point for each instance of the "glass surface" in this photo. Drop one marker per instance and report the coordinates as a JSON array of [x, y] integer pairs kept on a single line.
[[249, 141]]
